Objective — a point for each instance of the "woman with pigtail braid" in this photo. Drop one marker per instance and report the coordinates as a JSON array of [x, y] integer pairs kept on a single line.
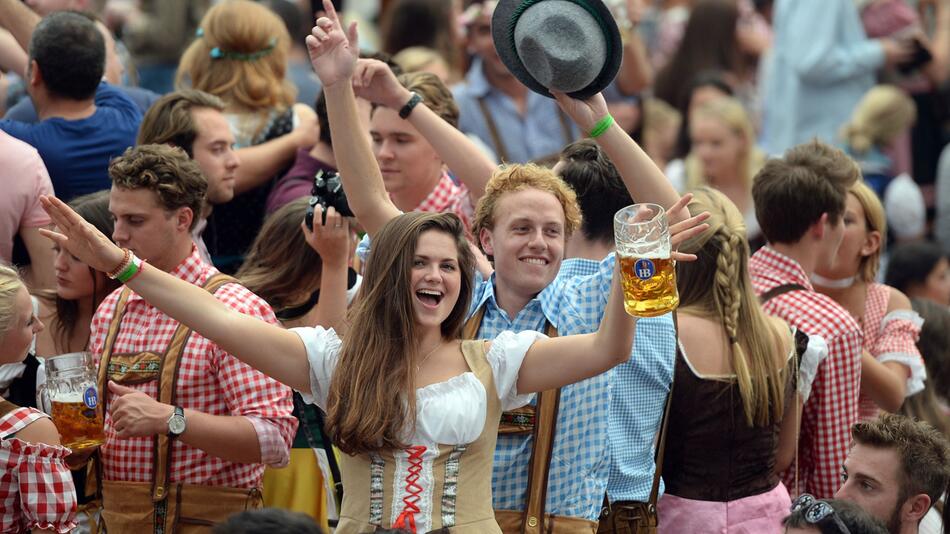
[[733, 419]]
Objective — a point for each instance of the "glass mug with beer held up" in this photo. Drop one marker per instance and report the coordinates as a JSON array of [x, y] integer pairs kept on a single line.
[[647, 270], [73, 400]]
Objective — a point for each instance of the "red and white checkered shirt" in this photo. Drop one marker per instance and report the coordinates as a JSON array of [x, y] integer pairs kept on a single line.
[[833, 406], [209, 380], [36, 487], [891, 337], [448, 196]]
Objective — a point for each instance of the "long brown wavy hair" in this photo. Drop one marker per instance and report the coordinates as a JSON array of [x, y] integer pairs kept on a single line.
[[371, 402], [280, 264]]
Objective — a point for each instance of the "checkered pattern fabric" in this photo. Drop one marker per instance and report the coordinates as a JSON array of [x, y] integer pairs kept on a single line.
[[209, 380], [449, 196], [890, 337], [833, 406], [580, 463], [36, 487]]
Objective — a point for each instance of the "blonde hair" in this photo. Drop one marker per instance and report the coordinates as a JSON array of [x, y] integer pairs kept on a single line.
[[518, 177], [876, 221], [10, 285], [717, 286], [657, 116], [418, 58], [251, 43], [882, 114], [730, 113]]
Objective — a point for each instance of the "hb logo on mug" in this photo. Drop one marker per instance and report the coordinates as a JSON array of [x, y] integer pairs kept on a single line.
[[644, 269]]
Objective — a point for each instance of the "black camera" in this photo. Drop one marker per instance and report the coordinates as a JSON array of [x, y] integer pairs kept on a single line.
[[327, 191]]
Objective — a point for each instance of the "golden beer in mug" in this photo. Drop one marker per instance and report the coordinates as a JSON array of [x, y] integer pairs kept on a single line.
[[73, 400], [79, 426], [648, 273]]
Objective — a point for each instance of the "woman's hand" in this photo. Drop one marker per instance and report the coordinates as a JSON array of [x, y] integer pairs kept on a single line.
[[80, 238], [375, 81], [333, 53], [585, 113], [330, 238], [687, 229]]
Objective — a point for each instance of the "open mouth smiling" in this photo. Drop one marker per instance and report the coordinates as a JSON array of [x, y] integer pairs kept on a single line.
[[429, 297]]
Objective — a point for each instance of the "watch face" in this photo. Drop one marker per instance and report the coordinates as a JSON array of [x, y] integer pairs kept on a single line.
[[176, 425]]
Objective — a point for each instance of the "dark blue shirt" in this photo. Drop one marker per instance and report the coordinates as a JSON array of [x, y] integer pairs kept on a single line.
[[77, 152], [24, 111]]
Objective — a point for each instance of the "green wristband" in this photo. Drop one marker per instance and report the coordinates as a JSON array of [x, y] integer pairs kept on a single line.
[[602, 126], [128, 273]]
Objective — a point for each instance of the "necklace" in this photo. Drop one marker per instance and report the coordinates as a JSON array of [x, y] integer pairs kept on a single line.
[[840, 283], [426, 357]]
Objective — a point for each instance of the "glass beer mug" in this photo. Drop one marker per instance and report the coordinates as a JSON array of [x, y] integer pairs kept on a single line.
[[646, 266], [71, 395]]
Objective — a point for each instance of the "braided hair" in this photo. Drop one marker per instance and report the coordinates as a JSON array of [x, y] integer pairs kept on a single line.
[[717, 286]]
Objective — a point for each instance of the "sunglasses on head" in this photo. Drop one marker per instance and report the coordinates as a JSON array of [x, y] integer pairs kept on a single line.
[[815, 512]]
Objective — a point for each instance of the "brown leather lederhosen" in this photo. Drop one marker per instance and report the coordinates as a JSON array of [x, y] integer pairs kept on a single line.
[[541, 422], [160, 506], [548, 160]]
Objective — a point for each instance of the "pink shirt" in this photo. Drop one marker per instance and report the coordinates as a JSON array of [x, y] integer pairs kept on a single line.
[[24, 179]]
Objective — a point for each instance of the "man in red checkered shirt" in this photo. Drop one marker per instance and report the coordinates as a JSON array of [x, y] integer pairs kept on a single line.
[[799, 202], [224, 420]]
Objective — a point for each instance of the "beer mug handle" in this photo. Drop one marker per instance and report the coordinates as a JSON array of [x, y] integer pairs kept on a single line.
[[42, 398]]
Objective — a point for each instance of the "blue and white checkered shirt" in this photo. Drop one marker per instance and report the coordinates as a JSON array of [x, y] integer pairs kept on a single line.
[[580, 463]]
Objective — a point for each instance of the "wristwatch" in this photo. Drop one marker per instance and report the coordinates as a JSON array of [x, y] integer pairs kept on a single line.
[[176, 423]]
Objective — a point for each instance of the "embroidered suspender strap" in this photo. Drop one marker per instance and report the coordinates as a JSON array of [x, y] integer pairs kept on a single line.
[[542, 447], [780, 290], [493, 131], [111, 334], [167, 379]]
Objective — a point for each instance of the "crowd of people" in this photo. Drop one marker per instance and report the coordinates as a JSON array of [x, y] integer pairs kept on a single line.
[[351, 266]]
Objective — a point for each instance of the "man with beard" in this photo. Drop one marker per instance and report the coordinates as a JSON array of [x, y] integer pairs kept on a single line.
[[897, 470]]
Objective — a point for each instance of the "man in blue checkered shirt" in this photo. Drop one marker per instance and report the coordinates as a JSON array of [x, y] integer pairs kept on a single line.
[[590, 416]]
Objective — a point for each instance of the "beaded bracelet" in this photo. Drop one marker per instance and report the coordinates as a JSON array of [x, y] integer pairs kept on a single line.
[[123, 265], [602, 126]]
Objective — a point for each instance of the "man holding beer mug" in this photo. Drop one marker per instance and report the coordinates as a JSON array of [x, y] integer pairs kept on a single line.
[[189, 428]]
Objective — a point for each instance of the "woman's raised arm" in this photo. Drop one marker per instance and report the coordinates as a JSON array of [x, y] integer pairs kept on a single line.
[[555, 362], [276, 352], [333, 54]]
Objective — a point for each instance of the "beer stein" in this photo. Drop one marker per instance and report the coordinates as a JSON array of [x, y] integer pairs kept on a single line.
[[72, 399], [648, 274]]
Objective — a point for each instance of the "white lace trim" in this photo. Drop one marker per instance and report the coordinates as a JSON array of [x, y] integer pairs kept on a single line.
[[815, 353], [903, 315], [915, 382]]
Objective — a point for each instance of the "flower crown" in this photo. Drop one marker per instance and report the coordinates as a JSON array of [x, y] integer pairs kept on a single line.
[[218, 53]]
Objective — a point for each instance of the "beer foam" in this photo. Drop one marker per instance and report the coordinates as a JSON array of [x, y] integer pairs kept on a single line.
[[71, 396]]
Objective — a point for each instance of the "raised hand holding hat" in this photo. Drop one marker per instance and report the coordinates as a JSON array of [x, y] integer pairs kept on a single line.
[[570, 46]]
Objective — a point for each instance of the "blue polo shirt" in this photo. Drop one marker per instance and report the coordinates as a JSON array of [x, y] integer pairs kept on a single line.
[[77, 152]]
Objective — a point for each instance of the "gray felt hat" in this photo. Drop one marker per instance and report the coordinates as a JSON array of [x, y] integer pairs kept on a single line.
[[572, 46]]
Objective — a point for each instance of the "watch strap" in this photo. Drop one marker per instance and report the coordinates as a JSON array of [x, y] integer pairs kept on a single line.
[[410, 105]]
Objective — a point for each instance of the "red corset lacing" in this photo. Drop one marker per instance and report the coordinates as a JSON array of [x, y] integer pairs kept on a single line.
[[407, 519]]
